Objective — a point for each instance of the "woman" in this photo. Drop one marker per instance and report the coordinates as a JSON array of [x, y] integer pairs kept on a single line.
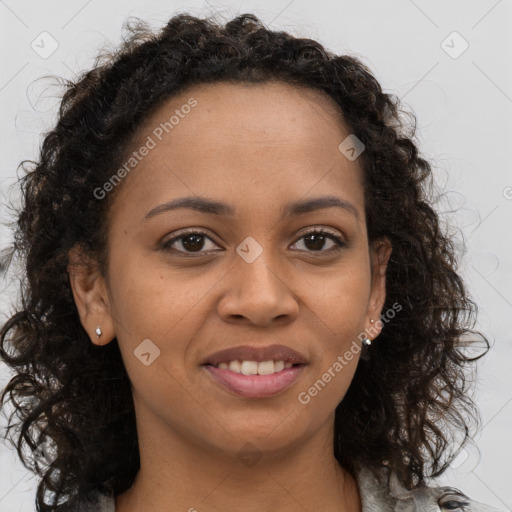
[[237, 294]]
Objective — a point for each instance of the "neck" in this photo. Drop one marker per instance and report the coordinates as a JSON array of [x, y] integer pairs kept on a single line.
[[177, 473]]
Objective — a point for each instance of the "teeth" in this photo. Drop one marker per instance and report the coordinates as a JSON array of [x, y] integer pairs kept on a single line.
[[255, 368], [249, 367], [235, 366], [263, 367]]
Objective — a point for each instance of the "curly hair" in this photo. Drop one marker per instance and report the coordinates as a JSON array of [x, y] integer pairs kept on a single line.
[[407, 402]]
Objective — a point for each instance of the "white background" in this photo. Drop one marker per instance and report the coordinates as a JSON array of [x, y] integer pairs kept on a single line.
[[463, 106]]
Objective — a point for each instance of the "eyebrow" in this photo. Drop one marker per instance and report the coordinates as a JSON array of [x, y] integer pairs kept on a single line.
[[209, 206]]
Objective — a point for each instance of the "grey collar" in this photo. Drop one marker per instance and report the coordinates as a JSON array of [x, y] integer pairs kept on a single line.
[[382, 491]]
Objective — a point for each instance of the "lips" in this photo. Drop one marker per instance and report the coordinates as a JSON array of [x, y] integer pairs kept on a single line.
[[255, 386], [258, 354]]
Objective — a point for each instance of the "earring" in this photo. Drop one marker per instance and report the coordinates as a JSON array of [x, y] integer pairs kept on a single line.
[[368, 341], [98, 331]]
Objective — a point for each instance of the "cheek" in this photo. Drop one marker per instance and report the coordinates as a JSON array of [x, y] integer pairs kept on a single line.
[[151, 304], [340, 298], [329, 382], [340, 305], [149, 299]]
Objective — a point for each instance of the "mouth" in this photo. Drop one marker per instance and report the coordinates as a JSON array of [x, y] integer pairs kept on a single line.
[[250, 354], [255, 371], [255, 367], [251, 379]]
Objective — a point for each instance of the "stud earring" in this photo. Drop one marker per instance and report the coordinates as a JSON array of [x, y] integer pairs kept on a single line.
[[368, 341], [98, 331]]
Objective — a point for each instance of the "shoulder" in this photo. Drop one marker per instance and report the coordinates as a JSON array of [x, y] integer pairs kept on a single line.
[[382, 491]]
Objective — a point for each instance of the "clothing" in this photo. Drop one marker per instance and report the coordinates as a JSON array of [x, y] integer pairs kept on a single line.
[[378, 494]]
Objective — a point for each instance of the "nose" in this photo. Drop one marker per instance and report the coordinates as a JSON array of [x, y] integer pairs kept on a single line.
[[258, 294]]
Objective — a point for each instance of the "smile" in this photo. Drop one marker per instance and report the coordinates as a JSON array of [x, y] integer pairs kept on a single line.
[[251, 379]]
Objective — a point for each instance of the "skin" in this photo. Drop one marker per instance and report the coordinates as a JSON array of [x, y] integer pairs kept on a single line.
[[256, 147]]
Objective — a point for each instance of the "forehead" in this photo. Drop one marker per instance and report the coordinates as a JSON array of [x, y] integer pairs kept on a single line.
[[269, 140], [228, 114]]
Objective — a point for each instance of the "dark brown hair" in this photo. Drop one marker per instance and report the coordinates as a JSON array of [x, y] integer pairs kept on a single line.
[[407, 402]]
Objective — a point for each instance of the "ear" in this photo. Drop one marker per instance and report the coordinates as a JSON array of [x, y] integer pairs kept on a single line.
[[380, 253], [91, 297]]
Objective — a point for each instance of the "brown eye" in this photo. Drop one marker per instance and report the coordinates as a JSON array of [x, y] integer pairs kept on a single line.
[[315, 241], [189, 242], [193, 242]]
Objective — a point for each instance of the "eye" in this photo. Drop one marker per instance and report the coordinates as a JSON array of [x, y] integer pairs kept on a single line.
[[315, 239], [190, 242]]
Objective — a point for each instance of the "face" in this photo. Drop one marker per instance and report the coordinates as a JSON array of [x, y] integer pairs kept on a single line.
[[188, 281]]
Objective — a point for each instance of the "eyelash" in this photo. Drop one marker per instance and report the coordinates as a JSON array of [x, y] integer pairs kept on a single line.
[[332, 236]]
